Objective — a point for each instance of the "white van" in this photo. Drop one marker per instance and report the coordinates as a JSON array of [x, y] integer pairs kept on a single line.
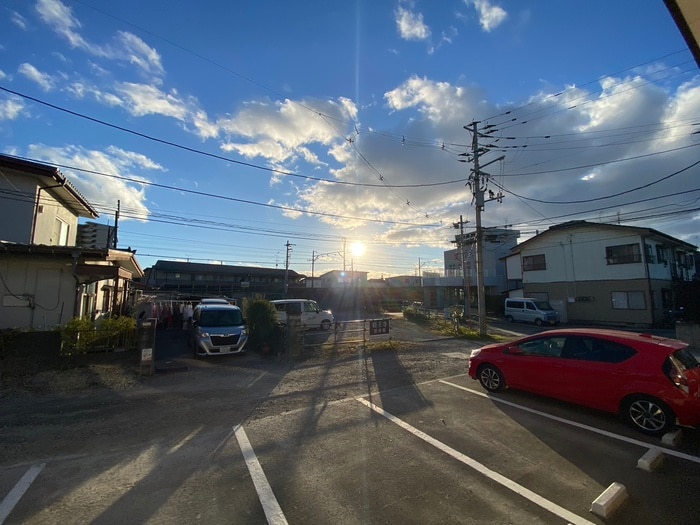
[[311, 314], [530, 311]]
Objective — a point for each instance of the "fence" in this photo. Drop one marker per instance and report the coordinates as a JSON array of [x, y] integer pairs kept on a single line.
[[301, 341], [97, 340]]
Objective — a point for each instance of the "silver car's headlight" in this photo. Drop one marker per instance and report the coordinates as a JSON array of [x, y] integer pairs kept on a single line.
[[204, 334]]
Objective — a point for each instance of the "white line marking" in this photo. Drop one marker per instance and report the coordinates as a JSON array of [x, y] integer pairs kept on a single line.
[[267, 498], [632, 441], [9, 502], [482, 469]]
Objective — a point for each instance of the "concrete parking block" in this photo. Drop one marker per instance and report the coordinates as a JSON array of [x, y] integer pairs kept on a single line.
[[672, 438], [610, 500], [651, 460]]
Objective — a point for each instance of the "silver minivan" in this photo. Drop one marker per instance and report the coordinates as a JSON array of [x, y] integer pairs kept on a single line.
[[217, 329], [530, 311]]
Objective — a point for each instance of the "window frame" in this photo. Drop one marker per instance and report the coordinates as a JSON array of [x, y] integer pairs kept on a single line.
[[623, 254], [620, 300], [534, 262]]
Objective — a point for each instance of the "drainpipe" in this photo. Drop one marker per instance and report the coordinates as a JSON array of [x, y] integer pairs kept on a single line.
[[648, 278], [75, 254]]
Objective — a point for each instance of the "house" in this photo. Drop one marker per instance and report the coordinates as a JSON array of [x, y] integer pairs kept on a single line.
[[496, 243], [603, 273], [342, 279], [45, 278], [94, 235], [180, 278]]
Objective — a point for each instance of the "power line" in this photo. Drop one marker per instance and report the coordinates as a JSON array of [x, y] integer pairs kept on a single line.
[[226, 198]]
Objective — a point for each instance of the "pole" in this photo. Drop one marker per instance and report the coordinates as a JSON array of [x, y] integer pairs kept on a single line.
[[465, 275], [313, 263], [286, 267], [479, 197]]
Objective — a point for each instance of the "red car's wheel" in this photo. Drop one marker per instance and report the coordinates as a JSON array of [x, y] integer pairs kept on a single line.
[[491, 378], [648, 415]]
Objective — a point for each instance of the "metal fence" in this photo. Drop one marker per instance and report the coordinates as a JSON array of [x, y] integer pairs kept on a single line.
[[96, 340], [302, 341]]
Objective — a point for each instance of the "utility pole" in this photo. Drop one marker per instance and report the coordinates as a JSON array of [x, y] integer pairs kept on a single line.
[[344, 243], [313, 263], [116, 226], [478, 182], [466, 274], [286, 267]]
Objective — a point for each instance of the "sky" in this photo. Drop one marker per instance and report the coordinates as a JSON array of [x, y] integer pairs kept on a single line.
[[333, 135]]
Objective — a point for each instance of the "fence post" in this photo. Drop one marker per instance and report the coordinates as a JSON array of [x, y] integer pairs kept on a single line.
[[145, 343], [295, 335]]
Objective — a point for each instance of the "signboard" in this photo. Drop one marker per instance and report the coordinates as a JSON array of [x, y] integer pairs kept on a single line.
[[146, 355], [378, 326]]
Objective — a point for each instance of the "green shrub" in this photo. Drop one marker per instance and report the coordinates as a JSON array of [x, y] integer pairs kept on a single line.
[[7, 341], [261, 321], [81, 334]]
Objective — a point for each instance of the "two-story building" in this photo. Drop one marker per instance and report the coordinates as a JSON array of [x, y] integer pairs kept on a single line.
[[45, 278], [603, 273], [181, 278]]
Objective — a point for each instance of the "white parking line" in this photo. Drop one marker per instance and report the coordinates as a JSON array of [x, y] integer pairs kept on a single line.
[[482, 469], [9, 502], [632, 441], [272, 509]]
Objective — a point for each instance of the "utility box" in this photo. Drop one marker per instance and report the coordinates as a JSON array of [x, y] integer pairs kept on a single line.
[[145, 344]]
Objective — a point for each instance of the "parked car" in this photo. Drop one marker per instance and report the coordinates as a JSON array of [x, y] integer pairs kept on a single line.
[[530, 311], [215, 300], [308, 311], [217, 329], [652, 382]]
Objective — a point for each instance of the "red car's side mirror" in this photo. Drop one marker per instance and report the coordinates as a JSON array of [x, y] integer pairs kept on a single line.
[[514, 350]]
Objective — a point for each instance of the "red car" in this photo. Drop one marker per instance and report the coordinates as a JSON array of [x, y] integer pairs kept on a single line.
[[653, 382]]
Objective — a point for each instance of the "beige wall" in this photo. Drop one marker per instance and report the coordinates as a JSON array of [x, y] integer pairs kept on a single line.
[[599, 309]]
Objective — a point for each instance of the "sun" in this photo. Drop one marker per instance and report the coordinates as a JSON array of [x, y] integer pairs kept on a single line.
[[357, 249]]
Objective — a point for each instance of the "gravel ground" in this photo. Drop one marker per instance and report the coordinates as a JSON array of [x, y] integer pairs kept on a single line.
[[415, 353]]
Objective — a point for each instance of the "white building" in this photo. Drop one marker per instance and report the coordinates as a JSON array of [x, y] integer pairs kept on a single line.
[[46, 279], [602, 273]]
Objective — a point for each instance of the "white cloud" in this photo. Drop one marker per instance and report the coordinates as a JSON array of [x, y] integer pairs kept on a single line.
[[127, 47], [490, 16], [11, 108], [18, 20], [137, 52], [32, 73], [410, 25], [144, 99], [439, 101], [281, 131], [61, 19], [102, 191]]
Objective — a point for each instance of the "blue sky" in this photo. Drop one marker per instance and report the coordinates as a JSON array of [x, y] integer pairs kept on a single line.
[[226, 130]]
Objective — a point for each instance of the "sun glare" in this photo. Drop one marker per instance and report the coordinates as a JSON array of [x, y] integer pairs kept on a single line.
[[357, 249]]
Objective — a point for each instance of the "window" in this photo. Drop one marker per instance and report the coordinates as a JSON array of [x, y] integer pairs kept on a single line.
[[534, 262], [623, 254], [599, 350], [543, 347], [661, 253], [628, 301], [60, 232]]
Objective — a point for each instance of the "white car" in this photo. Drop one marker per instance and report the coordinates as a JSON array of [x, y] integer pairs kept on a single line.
[[309, 312]]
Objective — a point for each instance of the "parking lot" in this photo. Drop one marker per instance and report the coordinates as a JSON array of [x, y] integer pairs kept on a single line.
[[389, 437]]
